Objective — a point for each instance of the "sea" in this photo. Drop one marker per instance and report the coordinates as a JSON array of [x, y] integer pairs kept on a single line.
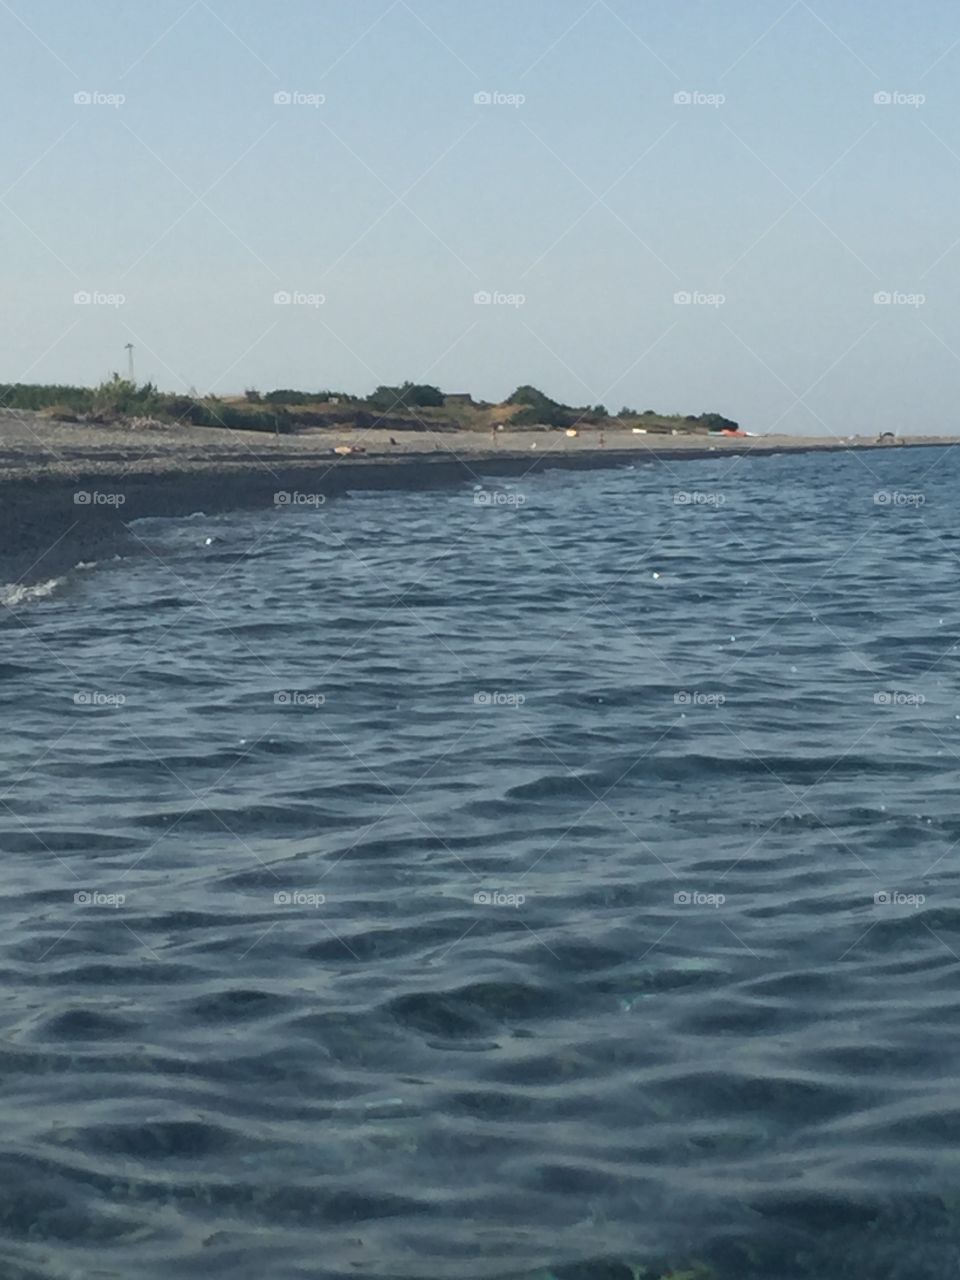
[[545, 878]]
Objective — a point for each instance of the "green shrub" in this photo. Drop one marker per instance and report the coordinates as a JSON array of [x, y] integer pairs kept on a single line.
[[409, 396], [286, 396], [20, 395], [717, 422]]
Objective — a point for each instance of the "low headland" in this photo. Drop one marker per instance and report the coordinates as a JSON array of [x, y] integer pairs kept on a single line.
[[78, 464]]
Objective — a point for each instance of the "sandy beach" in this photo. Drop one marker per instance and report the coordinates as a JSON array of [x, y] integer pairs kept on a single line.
[[68, 490]]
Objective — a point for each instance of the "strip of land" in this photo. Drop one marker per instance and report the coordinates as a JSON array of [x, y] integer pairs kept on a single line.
[[68, 490]]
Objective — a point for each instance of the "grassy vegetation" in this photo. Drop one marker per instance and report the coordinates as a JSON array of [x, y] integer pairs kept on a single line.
[[21, 396], [119, 398], [284, 410]]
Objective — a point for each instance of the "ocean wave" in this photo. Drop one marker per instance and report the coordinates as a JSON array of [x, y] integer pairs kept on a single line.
[[13, 594], [580, 923]]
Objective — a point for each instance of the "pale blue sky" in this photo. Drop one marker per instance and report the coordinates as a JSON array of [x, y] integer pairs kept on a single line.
[[598, 199]]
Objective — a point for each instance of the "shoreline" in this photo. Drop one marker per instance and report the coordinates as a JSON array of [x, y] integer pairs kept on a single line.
[[45, 529]]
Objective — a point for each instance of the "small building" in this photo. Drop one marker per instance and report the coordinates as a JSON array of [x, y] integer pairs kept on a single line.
[[458, 397]]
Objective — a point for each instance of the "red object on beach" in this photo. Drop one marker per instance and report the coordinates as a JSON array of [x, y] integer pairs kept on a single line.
[[729, 431]]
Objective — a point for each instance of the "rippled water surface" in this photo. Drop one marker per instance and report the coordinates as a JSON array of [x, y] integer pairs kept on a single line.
[[428, 887]]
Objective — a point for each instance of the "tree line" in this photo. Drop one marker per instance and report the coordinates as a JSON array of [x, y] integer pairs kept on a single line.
[[271, 410]]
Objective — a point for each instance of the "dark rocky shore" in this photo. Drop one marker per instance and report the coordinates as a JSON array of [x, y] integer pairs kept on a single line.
[[67, 493]]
